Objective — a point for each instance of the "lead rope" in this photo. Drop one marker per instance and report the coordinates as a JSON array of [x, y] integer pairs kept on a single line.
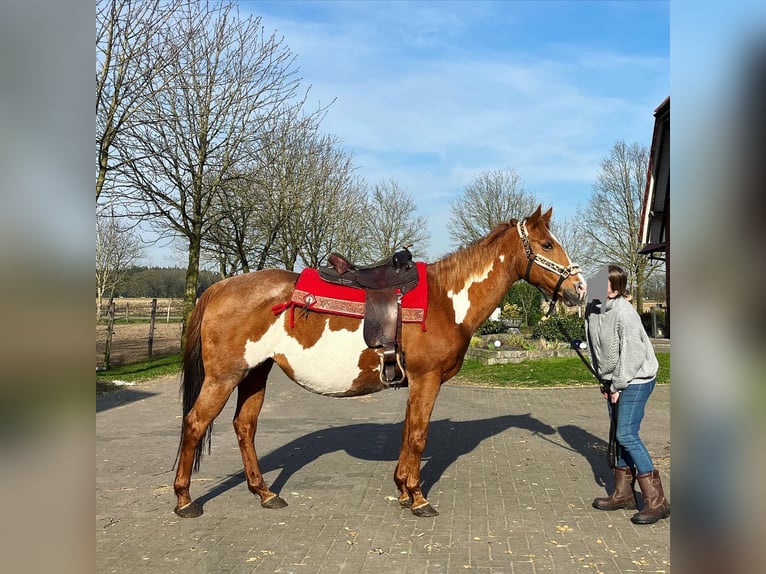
[[563, 273], [578, 346]]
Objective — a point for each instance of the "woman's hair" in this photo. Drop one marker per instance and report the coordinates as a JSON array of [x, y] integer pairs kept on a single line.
[[618, 280]]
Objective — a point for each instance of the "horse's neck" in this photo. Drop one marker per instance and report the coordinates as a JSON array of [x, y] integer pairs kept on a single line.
[[475, 281]]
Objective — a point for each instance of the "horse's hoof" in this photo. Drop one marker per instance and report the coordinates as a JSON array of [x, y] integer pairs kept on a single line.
[[191, 510], [274, 503], [406, 503], [425, 511]]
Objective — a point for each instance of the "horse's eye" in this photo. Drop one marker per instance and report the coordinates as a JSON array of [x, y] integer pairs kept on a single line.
[[547, 245]]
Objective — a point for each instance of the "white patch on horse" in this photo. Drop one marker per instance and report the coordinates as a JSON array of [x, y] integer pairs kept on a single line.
[[569, 261], [327, 368], [582, 285], [461, 303]]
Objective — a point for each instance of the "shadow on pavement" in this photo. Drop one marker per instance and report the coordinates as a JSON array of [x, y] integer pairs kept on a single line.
[[448, 440], [119, 398], [591, 448]]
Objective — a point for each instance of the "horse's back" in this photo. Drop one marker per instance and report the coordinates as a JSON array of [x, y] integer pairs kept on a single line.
[[250, 292], [240, 308]]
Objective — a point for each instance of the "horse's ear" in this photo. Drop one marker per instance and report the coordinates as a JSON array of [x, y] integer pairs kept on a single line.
[[547, 216], [536, 215], [514, 222]]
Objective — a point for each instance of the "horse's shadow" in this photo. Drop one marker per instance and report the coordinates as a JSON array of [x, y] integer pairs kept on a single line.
[[593, 449], [448, 440]]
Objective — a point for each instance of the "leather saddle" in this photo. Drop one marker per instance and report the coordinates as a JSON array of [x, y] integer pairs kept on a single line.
[[384, 283]]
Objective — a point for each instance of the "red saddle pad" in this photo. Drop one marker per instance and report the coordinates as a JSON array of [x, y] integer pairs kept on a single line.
[[314, 293]]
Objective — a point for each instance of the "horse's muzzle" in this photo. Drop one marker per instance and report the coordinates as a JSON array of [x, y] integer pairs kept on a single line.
[[582, 290], [575, 297]]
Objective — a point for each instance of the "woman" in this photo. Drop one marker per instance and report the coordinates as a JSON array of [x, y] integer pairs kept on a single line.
[[624, 359]]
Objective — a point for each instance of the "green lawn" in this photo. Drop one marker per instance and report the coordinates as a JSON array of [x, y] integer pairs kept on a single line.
[[137, 372], [554, 372]]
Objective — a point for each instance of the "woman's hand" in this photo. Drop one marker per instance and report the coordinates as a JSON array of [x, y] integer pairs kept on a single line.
[[607, 395]]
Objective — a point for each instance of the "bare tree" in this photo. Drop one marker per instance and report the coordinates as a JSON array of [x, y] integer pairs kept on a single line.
[[571, 234], [207, 110], [345, 230], [492, 197], [117, 250], [332, 205], [610, 223], [300, 200], [309, 183], [249, 214], [130, 52], [231, 235], [655, 287], [392, 223]]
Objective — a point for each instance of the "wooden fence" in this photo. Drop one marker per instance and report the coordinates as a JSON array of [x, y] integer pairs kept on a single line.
[[140, 309], [129, 314]]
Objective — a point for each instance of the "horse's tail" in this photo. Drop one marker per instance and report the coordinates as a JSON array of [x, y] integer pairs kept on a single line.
[[193, 375]]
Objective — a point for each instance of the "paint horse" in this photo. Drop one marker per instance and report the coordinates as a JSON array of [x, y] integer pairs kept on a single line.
[[234, 337]]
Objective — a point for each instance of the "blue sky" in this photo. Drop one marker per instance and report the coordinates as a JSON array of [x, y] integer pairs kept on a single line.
[[433, 93]]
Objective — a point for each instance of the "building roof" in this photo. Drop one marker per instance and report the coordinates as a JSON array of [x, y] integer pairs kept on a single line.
[[655, 211]]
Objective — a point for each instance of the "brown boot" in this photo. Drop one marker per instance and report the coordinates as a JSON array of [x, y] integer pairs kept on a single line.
[[623, 496], [656, 505]]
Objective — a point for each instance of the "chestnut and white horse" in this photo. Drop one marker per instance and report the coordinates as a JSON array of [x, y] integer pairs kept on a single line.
[[234, 338]]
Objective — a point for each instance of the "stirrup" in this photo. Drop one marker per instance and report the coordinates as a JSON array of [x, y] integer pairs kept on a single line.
[[393, 380]]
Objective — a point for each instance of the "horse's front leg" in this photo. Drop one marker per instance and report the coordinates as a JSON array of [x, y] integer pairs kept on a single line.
[[250, 395], [420, 405]]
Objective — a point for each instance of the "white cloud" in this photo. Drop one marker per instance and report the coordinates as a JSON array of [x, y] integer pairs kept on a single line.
[[417, 103]]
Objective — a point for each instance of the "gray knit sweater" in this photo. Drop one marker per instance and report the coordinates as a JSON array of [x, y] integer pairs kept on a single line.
[[621, 351]]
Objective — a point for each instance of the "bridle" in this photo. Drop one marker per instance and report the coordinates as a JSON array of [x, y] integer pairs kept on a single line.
[[545, 263]]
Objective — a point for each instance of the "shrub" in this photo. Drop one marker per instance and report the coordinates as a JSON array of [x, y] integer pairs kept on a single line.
[[560, 328], [490, 327], [518, 341], [507, 340]]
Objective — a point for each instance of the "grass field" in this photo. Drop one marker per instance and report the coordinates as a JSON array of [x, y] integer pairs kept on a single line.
[[553, 372], [537, 373], [137, 372]]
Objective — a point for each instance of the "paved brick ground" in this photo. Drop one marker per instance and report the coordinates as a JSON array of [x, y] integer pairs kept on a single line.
[[512, 473]]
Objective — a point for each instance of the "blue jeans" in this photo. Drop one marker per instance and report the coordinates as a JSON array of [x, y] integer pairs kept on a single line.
[[630, 413]]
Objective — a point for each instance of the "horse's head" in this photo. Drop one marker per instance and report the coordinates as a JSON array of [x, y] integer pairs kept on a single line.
[[546, 264]]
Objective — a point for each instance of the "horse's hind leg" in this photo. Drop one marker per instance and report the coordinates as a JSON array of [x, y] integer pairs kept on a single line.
[[208, 405], [251, 393]]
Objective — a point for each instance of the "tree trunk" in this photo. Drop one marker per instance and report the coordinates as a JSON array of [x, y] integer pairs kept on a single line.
[[640, 287], [190, 290], [101, 176]]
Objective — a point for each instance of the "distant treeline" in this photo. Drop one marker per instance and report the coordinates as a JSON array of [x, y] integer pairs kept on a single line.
[[161, 282]]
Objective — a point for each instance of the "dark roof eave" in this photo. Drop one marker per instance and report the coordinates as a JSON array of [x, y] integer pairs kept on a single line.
[[652, 248]]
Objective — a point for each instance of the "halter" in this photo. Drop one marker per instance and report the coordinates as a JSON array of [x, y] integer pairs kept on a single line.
[[545, 263]]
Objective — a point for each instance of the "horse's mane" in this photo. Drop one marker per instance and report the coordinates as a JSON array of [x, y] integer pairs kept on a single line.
[[456, 266]]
